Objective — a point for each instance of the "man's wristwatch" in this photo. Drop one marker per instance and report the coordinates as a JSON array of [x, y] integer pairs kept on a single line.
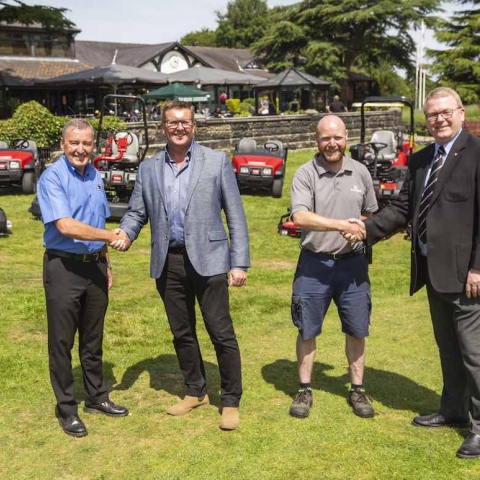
[[109, 265]]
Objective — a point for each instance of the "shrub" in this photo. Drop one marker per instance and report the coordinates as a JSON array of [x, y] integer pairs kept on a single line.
[[233, 105], [109, 124]]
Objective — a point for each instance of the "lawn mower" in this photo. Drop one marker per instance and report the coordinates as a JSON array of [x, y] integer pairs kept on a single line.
[[122, 154], [287, 227], [260, 167], [387, 154], [20, 165]]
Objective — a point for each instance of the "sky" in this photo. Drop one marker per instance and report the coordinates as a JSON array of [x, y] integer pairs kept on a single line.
[[154, 21]]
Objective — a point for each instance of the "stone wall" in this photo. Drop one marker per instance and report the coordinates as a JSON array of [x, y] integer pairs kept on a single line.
[[297, 131]]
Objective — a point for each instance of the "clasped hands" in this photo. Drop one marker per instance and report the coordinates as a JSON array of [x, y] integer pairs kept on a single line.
[[120, 240], [353, 230]]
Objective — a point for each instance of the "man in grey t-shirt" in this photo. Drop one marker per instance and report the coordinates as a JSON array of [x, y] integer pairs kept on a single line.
[[330, 195]]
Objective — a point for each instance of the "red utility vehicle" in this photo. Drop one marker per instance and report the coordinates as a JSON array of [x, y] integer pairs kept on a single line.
[[260, 167], [20, 165]]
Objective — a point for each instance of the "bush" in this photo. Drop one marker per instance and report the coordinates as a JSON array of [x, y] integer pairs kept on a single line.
[[233, 105], [109, 124]]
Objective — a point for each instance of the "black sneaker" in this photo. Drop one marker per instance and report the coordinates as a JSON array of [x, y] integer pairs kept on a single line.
[[360, 403], [302, 402]]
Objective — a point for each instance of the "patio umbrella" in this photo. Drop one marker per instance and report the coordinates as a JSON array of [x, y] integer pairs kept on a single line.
[[213, 76], [178, 91], [113, 75]]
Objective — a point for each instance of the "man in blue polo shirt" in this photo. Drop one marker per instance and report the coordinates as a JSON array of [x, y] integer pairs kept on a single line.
[[76, 274]]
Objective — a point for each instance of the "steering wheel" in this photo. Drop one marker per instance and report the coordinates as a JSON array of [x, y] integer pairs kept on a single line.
[[21, 143], [271, 147], [126, 135], [376, 147]]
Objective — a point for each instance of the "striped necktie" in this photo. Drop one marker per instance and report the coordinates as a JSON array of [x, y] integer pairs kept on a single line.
[[427, 194]]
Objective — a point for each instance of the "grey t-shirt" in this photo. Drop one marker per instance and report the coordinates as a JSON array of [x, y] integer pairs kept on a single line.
[[346, 194]]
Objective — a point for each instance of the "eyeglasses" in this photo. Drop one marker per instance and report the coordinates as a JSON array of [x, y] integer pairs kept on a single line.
[[174, 124], [446, 114]]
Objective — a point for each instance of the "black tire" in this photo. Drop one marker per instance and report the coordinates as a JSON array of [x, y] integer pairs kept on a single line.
[[28, 182], [277, 188]]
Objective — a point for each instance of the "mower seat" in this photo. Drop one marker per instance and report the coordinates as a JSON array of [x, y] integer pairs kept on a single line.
[[247, 145], [32, 147], [132, 154], [387, 153], [3, 144]]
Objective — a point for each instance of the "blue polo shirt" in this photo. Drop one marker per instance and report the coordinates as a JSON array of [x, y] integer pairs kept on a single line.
[[62, 192]]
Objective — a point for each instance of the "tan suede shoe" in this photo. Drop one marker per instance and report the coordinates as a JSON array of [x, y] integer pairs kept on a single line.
[[187, 405], [230, 418]]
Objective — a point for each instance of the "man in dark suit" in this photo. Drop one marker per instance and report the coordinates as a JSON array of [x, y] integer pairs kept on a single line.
[[441, 197], [182, 191]]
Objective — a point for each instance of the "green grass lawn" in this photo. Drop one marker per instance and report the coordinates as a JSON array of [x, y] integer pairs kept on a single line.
[[402, 375]]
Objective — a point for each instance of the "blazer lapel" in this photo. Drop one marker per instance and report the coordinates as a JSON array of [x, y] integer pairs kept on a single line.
[[197, 162], [450, 163], [158, 167]]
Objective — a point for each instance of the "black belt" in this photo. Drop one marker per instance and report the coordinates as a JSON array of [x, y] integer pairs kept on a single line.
[[179, 250], [87, 257], [341, 256]]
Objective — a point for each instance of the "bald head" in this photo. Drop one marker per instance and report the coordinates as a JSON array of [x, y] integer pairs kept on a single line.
[[331, 137]]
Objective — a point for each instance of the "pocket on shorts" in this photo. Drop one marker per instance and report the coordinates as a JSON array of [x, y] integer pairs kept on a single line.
[[296, 307]]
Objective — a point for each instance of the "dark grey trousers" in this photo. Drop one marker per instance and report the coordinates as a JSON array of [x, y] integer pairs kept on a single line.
[[456, 325]]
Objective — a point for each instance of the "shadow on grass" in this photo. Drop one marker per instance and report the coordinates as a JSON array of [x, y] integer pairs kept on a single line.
[[389, 388], [165, 375]]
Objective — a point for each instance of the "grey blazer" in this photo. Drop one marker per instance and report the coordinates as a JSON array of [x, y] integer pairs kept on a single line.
[[212, 188]]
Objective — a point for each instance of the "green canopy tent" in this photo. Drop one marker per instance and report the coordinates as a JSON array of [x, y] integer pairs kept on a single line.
[[178, 91]]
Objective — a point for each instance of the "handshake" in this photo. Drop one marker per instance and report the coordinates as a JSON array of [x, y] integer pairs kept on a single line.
[[353, 230], [119, 240]]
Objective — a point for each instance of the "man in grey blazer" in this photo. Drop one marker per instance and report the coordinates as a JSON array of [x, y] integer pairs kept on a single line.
[[182, 191]]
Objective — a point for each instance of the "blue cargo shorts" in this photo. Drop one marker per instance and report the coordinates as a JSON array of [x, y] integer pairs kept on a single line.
[[318, 280]]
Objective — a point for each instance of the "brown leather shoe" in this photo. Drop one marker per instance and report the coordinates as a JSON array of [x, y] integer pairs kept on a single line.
[[187, 405], [230, 418]]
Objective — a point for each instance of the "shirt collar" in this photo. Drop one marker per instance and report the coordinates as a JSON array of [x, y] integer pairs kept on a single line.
[[347, 165], [87, 172], [188, 155]]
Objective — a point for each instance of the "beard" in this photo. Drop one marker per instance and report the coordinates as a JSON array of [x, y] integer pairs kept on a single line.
[[333, 155]]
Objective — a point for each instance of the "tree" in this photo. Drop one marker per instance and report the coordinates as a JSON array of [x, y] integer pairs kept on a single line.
[[51, 18], [458, 66], [200, 38], [344, 35], [244, 22]]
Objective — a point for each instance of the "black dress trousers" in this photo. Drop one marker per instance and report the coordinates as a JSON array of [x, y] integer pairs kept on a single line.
[[77, 299], [178, 286]]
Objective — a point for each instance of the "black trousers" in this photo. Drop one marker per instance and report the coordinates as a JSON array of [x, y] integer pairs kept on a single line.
[[456, 326], [178, 286], [77, 299]]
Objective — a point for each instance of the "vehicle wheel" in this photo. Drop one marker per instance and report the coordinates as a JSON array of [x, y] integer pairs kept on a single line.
[[28, 182], [277, 188]]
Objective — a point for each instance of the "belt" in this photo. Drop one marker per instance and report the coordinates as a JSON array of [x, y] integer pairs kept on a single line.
[[178, 250], [341, 256], [87, 257]]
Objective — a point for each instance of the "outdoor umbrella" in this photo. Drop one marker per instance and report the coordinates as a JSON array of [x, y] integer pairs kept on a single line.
[[213, 76], [113, 75], [178, 91]]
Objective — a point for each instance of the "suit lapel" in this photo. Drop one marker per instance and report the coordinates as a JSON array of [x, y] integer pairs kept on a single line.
[[450, 163], [421, 174], [197, 162], [158, 167]]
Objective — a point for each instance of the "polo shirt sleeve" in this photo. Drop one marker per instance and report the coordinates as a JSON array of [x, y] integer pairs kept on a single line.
[[302, 194], [52, 198]]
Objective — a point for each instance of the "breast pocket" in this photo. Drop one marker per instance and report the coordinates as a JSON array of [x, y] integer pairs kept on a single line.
[[457, 188]]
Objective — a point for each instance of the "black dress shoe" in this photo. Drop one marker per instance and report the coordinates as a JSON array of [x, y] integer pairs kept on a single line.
[[73, 426], [470, 447], [107, 408], [438, 420]]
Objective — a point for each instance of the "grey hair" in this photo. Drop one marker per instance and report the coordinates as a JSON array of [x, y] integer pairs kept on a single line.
[[78, 124], [443, 92]]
